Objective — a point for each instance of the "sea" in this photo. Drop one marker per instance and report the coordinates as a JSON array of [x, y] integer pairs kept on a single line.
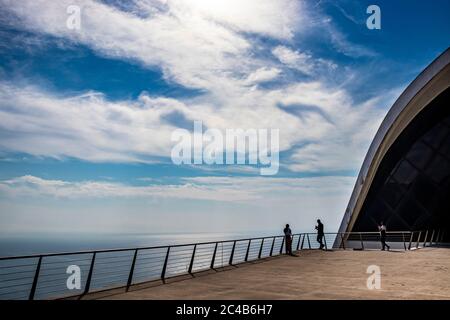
[[41, 243]]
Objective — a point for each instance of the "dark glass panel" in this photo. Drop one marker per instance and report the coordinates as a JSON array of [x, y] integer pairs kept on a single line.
[[378, 212], [392, 192], [435, 136], [405, 174], [442, 211], [409, 210], [424, 190], [439, 169], [396, 223], [447, 121], [445, 147], [419, 155], [423, 220]]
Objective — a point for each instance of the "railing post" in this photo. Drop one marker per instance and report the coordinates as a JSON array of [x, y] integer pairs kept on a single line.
[[232, 253], [89, 277], [130, 276], [425, 240], [163, 272], [325, 240], [309, 242], [303, 242], [362, 242], [260, 248], [342, 241], [35, 280], [410, 240], [298, 242], [404, 243], [438, 235], [271, 249], [213, 260], [191, 264], [281, 248], [248, 249], [431, 239], [418, 240]]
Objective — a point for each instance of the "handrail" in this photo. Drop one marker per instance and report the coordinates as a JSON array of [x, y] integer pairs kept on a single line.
[[51, 254], [131, 266]]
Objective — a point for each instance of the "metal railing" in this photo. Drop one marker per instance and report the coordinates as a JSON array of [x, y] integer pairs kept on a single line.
[[46, 276]]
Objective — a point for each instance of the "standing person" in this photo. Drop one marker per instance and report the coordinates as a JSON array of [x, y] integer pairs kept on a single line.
[[288, 239], [320, 233], [382, 229]]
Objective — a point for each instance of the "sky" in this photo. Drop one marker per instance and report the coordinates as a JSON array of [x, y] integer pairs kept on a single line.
[[86, 115]]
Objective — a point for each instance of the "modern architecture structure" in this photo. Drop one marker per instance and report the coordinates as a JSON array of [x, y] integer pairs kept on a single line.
[[405, 178]]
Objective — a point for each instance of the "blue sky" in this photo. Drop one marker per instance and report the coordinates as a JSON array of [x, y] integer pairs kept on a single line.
[[86, 115]]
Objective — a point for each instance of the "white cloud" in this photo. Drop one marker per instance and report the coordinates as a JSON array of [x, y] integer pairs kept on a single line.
[[301, 61], [83, 126], [223, 203], [278, 19], [345, 145], [263, 74], [197, 44], [340, 42], [92, 128], [27, 186], [226, 189], [294, 59]]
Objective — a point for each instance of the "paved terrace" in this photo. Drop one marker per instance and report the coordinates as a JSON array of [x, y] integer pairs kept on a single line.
[[418, 274]]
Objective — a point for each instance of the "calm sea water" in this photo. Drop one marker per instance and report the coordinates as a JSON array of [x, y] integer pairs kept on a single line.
[[113, 269], [25, 244]]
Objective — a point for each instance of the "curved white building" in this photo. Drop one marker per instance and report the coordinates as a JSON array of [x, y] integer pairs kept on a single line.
[[405, 178]]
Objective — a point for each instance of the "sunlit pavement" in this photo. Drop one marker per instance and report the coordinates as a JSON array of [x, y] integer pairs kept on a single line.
[[419, 274]]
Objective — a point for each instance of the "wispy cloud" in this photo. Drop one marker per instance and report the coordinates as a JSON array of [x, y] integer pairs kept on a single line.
[[196, 44], [232, 203], [346, 47], [92, 128], [27, 186], [225, 189], [263, 74], [325, 27], [301, 61]]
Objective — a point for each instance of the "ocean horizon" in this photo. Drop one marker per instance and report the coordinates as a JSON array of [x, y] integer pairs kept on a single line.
[[40, 243]]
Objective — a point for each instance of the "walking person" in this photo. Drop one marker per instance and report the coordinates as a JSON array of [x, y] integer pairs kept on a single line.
[[320, 233], [382, 229], [288, 239]]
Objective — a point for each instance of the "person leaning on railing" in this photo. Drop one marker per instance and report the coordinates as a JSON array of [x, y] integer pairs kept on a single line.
[[320, 233], [288, 239]]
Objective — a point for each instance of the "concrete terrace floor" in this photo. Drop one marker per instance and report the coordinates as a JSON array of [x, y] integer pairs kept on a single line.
[[418, 274]]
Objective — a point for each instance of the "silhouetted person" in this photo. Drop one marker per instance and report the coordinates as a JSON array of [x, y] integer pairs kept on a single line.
[[320, 233], [288, 239], [382, 229]]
